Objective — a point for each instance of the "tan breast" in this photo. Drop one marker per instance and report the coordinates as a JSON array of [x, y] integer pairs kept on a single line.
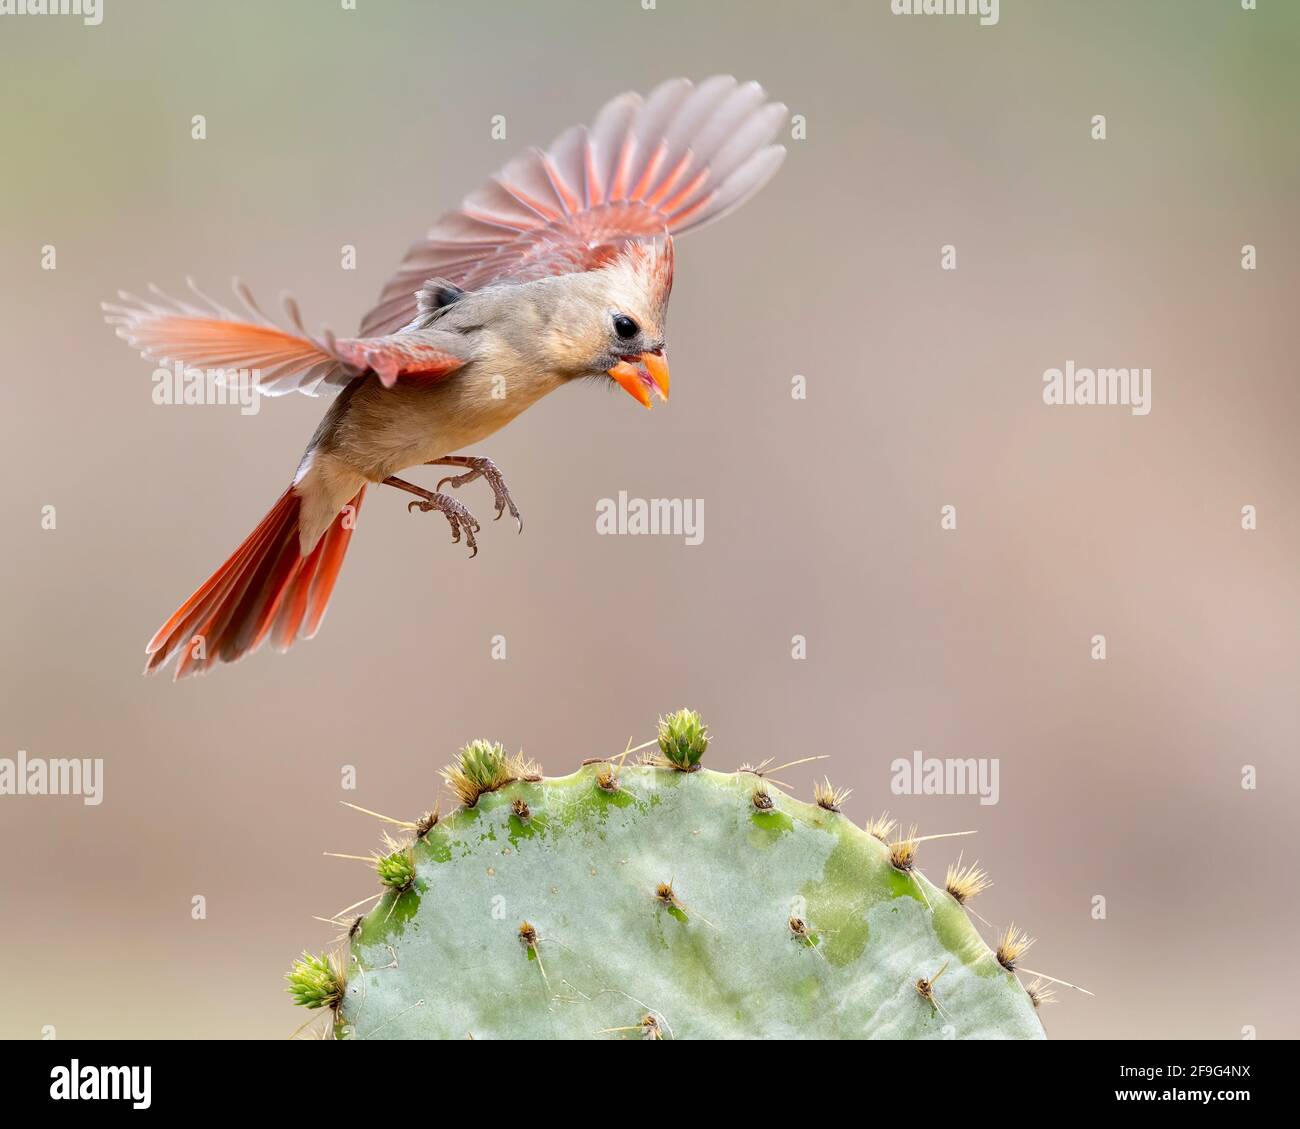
[[384, 430]]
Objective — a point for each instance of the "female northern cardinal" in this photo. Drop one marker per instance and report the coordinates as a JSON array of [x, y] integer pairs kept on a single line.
[[560, 267]]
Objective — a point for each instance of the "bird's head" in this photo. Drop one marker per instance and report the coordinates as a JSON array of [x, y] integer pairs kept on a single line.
[[630, 312]]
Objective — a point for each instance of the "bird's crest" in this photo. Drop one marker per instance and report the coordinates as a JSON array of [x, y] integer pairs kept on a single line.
[[642, 271], [652, 259]]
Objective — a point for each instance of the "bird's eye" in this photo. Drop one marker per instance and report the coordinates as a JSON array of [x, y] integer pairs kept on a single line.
[[625, 327]]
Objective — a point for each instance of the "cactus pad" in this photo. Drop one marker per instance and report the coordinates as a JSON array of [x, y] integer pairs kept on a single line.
[[656, 901]]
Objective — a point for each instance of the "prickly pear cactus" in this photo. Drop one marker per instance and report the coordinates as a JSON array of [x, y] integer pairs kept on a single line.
[[661, 900]]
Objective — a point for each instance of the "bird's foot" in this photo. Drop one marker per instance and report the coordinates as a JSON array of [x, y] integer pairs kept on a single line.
[[458, 517], [485, 469]]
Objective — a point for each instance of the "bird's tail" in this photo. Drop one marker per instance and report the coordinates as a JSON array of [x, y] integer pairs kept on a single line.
[[266, 588]]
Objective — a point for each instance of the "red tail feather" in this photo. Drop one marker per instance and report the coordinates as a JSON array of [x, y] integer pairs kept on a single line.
[[267, 587]]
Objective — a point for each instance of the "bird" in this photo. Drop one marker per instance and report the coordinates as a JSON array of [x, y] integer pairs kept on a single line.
[[558, 269]]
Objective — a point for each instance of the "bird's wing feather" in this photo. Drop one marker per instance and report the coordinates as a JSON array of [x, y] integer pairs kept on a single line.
[[212, 337], [665, 164], [217, 339], [427, 353]]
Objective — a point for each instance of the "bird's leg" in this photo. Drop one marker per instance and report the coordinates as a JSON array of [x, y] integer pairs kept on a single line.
[[481, 468], [458, 517]]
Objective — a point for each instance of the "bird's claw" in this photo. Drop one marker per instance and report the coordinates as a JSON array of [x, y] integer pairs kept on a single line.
[[458, 517], [487, 469]]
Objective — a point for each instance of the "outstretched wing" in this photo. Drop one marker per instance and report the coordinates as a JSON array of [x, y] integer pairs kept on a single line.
[[211, 337], [666, 164], [216, 339]]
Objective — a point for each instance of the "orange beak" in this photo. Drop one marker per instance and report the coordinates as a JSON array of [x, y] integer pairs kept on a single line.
[[637, 380]]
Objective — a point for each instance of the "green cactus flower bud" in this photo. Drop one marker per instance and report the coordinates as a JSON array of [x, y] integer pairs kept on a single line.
[[314, 981], [396, 869], [683, 738]]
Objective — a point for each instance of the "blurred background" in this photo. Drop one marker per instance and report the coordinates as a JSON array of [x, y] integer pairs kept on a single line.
[[325, 126]]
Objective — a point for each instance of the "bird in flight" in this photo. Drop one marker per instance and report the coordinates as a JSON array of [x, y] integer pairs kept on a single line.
[[559, 268]]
